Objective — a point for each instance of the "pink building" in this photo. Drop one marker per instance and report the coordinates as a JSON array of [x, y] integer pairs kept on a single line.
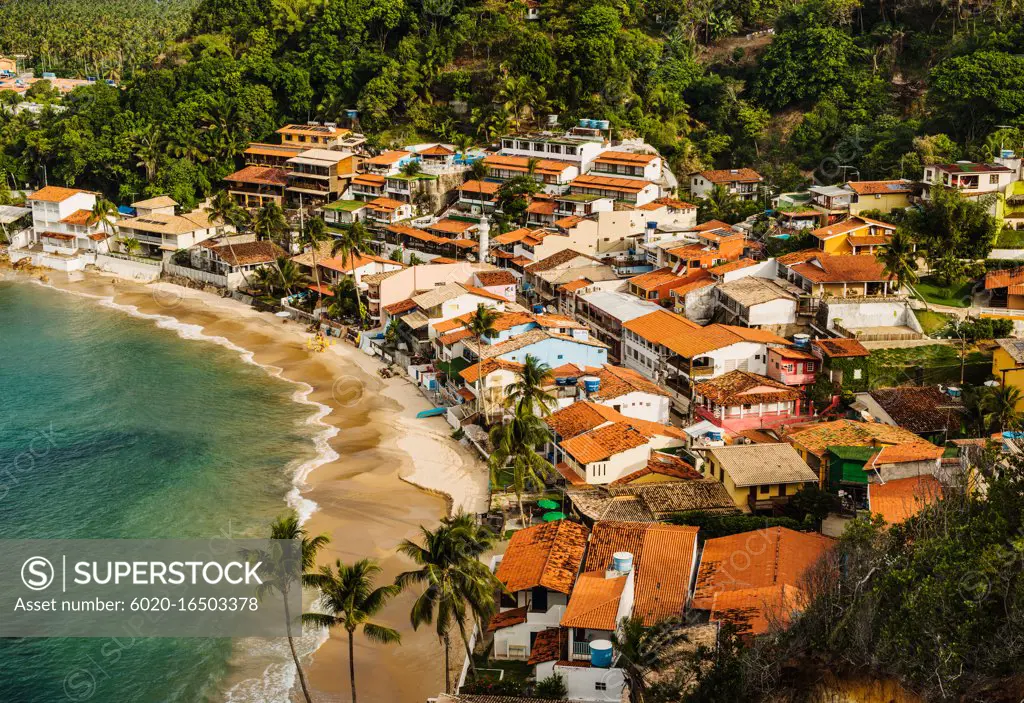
[[792, 366], [741, 400]]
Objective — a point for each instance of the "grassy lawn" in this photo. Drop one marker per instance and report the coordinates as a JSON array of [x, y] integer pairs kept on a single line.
[[515, 670], [931, 321], [940, 363], [933, 292]]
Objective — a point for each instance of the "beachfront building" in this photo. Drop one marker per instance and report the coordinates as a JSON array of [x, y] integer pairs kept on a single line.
[[626, 391], [743, 183], [444, 302], [538, 571], [542, 278], [396, 288], [63, 234], [606, 311], [255, 186], [160, 232], [236, 262], [758, 476]]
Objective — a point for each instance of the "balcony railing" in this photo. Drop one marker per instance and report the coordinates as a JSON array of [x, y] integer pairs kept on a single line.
[[701, 371], [580, 651]]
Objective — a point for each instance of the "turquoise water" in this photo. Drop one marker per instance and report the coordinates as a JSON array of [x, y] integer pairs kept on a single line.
[[112, 427]]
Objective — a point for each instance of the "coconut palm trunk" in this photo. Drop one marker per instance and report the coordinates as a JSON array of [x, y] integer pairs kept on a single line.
[[352, 663], [295, 655]]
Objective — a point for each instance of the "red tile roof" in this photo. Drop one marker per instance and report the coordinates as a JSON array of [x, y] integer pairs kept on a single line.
[[594, 602], [903, 498], [260, 175], [547, 555], [743, 175], [753, 611]]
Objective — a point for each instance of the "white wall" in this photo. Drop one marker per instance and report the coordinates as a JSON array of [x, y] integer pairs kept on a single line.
[[871, 314], [642, 406], [781, 311], [582, 682]]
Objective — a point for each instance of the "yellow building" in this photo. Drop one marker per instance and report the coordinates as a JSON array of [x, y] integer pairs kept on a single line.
[[1008, 365], [854, 235], [758, 475], [840, 276], [884, 196], [311, 136]]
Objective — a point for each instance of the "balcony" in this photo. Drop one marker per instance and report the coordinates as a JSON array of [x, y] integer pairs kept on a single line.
[[580, 651], [774, 504], [701, 371]]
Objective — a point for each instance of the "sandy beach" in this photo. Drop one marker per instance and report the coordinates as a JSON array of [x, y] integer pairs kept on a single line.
[[386, 474]]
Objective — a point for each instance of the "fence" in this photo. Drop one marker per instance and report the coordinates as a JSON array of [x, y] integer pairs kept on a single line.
[[232, 280], [127, 266]]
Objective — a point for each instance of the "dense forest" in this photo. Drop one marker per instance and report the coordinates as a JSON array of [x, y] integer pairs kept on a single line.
[[841, 88]]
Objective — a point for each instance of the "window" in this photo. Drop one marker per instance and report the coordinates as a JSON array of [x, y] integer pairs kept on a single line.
[[600, 685], [763, 489], [856, 374], [809, 366]]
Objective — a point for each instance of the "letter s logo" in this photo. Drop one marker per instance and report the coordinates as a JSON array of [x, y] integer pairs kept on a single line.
[[37, 573]]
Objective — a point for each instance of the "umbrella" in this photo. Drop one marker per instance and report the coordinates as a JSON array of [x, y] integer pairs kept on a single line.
[[552, 516], [548, 504]]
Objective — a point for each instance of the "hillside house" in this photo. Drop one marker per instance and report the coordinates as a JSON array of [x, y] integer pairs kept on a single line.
[[743, 183], [759, 476]]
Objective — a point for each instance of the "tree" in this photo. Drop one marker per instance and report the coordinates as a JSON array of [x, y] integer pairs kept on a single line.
[[289, 275], [312, 236], [528, 391], [288, 528], [719, 204], [353, 241], [412, 167], [515, 448], [803, 63], [481, 324], [456, 583], [899, 259], [149, 145], [223, 208], [104, 212], [999, 405], [391, 332], [131, 246], [478, 170], [514, 196], [552, 688], [977, 91], [949, 222], [268, 223], [643, 651], [348, 599]]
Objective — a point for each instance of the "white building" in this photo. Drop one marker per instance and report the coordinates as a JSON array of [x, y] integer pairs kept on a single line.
[[160, 232], [753, 301], [579, 147], [64, 235], [740, 182], [970, 178], [627, 391]]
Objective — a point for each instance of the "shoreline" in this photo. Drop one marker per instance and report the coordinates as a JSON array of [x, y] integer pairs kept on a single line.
[[367, 422]]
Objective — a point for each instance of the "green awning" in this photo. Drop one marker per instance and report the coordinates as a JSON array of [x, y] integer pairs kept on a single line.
[[553, 516], [548, 504]]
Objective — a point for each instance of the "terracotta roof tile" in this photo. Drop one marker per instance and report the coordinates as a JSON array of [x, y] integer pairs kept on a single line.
[[471, 374], [594, 602], [260, 175], [744, 175], [754, 610], [849, 433], [840, 348], [507, 619], [547, 555], [604, 442], [78, 217], [660, 464], [556, 260], [920, 409], [880, 187], [656, 279], [627, 158], [617, 381], [54, 194], [1005, 278], [621, 185], [771, 557], [496, 278], [901, 499], [743, 387], [400, 307], [550, 645], [837, 269]]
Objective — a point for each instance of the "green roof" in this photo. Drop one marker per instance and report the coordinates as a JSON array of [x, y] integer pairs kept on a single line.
[[846, 464], [453, 367], [346, 205], [417, 177]]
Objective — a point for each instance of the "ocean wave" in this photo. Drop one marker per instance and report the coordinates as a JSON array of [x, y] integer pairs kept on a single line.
[[278, 678]]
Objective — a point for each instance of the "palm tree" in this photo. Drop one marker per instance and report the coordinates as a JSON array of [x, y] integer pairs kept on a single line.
[[899, 259], [391, 333], [104, 212], [999, 405], [223, 208], [642, 651], [313, 235], [148, 144], [479, 170], [348, 599], [515, 446], [131, 245], [412, 167], [463, 143], [288, 528], [457, 582], [720, 203], [528, 390], [269, 223], [289, 275], [354, 240], [481, 325]]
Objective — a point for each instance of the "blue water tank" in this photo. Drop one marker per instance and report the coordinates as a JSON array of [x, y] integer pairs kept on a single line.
[[651, 224], [622, 562], [802, 341], [715, 436], [351, 114], [584, 123], [47, 74], [1006, 153], [538, 308], [601, 654], [602, 124], [591, 384]]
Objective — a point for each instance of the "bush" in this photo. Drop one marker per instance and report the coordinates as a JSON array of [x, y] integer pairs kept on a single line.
[[552, 688], [712, 526], [506, 687]]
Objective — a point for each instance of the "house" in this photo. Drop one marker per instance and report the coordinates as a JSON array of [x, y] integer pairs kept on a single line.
[[840, 276], [606, 311], [367, 186], [355, 266], [753, 301], [500, 283], [631, 191], [236, 262], [270, 155], [414, 190], [740, 182], [542, 278], [1006, 288], [883, 196], [675, 352], [882, 450], [443, 302], [552, 346], [554, 176], [854, 235], [661, 468], [396, 287], [831, 202], [581, 205], [538, 571], [970, 178], [478, 196], [342, 213], [758, 476], [438, 156], [255, 186], [928, 411], [160, 232], [385, 211], [656, 285], [320, 175], [626, 391], [577, 147], [793, 365], [532, 10], [613, 450], [1007, 365], [387, 162], [706, 246], [695, 299], [626, 164], [738, 574], [844, 362], [900, 499], [649, 502], [740, 400], [64, 235], [313, 135]]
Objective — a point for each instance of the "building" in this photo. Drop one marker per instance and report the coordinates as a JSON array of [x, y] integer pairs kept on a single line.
[[968, 177], [706, 246], [759, 476], [842, 276], [343, 213], [160, 232], [367, 186], [236, 262], [579, 146], [626, 164], [387, 162], [478, 196], [320, 175], [740, 400], [632, 191], [542, 278], [740, 182], [614, 450], [793, 365], [606, 311], [626, 391], [445, 302], [743, 579], [270, 155], [928, 411], [656, 285], [398, 287], [844, 362], [1006, 288], [313, 135], [554, 176], [64, 235], [538, 571], [753, 301], [1008, 365], [854, 235], [883, 196], [649, 502], [256, 186], [386, 211]]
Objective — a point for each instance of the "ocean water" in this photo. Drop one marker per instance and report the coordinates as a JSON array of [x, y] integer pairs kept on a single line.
[[111, 427]]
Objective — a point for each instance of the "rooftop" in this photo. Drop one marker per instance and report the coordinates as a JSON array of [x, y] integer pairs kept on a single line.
[[247, 253], [761, 464], [54, 194], [620, 306], [648, 502], [617, 381], [880, 187], [850, 433], [753, 611], [901, 499], [259, 175], [754, 290], [730, 175], [840, 348], [860, 268], [666, 466], [594, 602], [739, 387], [688, 339], [920, 409], [547, 555]]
